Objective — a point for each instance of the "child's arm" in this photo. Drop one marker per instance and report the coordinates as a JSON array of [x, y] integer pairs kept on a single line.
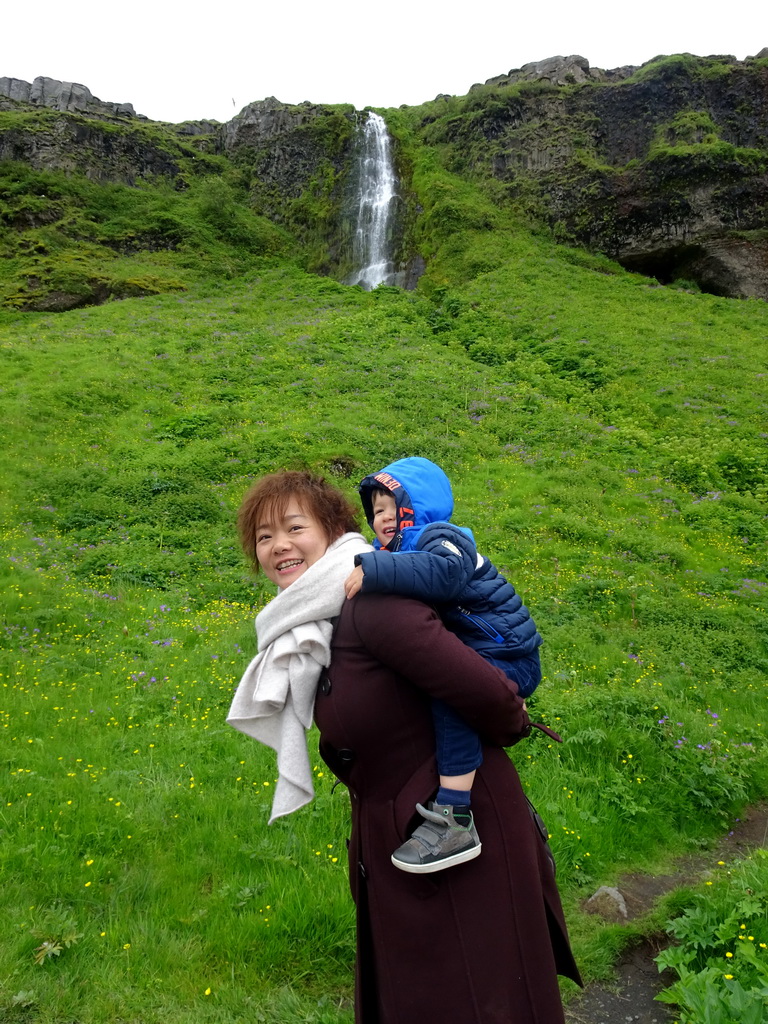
[[438, 570]]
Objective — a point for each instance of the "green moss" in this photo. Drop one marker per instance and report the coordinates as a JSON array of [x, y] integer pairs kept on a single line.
[[716, 70], [687, 128], [497, 97], [75, 133], [334, 130], [688, 157], [66, 235], [315, 215], [681, 64]]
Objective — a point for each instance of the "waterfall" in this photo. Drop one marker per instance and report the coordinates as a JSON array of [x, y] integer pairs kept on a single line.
[[372, 249]]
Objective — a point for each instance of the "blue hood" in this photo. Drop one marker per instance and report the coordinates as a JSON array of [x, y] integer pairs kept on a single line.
[[422, 494]]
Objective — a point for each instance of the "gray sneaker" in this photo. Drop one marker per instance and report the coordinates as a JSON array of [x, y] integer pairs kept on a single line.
[[438, 843]]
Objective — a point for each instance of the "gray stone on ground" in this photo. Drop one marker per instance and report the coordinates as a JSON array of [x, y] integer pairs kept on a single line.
[[609, 903]]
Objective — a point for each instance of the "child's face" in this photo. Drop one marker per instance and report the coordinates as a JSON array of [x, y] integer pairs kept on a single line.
[[384, 518]]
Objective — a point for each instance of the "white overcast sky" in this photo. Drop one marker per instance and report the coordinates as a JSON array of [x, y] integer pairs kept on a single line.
[[177, 62]]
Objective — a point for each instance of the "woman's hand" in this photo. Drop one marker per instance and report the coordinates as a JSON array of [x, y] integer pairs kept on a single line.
[[353, 584]]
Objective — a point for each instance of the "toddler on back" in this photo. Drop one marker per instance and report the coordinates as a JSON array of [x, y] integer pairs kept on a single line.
[[420, 554]]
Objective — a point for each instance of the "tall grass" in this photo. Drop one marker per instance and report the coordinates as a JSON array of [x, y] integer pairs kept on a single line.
[[604, 437]]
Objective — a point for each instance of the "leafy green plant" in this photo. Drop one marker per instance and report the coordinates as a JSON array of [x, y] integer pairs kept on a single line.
[[58, 931], [721, 956]]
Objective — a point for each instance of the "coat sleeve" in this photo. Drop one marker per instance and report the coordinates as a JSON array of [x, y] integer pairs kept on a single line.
[[438, 570], [409, 638]]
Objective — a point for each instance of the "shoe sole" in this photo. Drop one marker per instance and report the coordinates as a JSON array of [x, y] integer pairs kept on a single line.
[[439, 865]]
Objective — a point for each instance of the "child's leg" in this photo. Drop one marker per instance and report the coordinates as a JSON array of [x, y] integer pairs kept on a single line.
[[461, 784], [459, 754]]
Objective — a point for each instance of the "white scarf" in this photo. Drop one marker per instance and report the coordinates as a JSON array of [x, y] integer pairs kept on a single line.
[[276, 696]]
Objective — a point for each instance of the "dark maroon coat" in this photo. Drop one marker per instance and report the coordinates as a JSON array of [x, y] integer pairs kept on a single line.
[[479, 943]]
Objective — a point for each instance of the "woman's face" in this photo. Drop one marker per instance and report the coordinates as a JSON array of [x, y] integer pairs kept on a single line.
[[289, 544]]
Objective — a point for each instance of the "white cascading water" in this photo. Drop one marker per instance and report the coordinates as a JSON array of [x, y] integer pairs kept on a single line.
[[378, 188]]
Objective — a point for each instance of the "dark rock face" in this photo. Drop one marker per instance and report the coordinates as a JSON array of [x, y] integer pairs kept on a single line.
[[698, 218], [286, 145], [297, 158], [556, 71], [52, 125], [196, 128], [74, 145], [663, 168]]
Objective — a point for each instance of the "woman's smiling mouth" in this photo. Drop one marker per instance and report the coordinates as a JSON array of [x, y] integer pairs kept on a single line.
[[289, 563]]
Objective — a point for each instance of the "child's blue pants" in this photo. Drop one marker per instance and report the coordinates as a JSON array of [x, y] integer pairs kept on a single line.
[[458, 746]]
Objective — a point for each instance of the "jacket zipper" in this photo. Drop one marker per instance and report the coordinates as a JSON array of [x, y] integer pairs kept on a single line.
[[483, 626]]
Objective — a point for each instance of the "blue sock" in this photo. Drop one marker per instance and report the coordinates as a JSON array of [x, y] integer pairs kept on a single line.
[[453, 797]]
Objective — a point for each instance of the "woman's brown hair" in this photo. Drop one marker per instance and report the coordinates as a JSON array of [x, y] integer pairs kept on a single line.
[[268, 499]]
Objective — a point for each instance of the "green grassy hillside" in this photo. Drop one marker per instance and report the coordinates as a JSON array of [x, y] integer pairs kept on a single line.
[[68, 241], [606, 440]]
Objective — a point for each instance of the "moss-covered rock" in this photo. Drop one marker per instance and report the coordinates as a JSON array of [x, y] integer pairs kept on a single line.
[[297, 159], [662, 168], [122, 150]]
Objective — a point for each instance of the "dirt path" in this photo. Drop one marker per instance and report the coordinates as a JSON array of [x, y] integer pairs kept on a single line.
[[630, 999]]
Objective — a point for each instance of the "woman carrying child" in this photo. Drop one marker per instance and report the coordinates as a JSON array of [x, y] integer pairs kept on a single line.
[[483, 942]]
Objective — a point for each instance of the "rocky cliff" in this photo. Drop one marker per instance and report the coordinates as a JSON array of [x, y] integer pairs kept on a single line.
[[52, 125], [664, 167], [49, 92], [297, 159]]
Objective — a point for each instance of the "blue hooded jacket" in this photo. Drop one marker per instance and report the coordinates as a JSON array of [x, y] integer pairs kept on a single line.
[[437, 562]]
